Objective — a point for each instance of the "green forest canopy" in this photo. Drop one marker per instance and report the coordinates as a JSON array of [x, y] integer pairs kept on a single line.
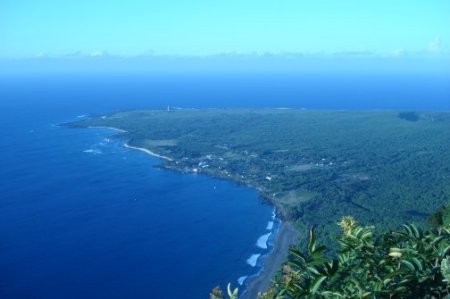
[[383, 167]]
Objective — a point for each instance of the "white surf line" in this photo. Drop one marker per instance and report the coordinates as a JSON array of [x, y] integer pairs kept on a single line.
[[252, 260], [262, 241], [147, 152], [111, 128], [133, 147]]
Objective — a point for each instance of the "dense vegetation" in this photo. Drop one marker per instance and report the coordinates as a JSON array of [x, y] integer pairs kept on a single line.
[[408, 263], [385, 168], [441, 217]]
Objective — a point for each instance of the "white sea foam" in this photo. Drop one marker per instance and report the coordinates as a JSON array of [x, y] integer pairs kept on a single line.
[[274, 213], [262, 241], [269, 225], [253, 259], [242, 279], [92, 151]]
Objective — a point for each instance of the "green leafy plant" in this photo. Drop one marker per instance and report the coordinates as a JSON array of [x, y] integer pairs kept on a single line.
[[407, 263], [218, 294]]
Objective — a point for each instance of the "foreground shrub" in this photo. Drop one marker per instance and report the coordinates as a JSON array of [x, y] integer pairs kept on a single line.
[[408, 263]]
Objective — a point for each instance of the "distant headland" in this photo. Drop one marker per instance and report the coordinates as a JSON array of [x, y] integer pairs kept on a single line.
[[382, 167]]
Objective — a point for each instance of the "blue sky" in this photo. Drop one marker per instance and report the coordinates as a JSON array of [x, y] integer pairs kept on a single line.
[[29, 28]]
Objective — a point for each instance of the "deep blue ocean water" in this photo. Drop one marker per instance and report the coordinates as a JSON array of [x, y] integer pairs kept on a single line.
[[83, 217]]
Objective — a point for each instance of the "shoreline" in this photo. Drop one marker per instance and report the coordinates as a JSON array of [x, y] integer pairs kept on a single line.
[[110, 128], [286, 236], [149, 152]]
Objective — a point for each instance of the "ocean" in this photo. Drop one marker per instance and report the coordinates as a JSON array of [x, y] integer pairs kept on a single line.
[[81, 216]]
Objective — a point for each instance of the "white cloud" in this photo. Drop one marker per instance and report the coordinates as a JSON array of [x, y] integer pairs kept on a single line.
[[98, 53], [399, 52], [435, 45]]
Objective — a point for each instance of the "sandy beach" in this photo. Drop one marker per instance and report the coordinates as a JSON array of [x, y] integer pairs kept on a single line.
[[134, 147], [286, 237], [147, 152], [111, 128]]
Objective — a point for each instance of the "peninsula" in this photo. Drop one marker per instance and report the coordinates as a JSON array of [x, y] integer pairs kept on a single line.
[[382, 167]]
